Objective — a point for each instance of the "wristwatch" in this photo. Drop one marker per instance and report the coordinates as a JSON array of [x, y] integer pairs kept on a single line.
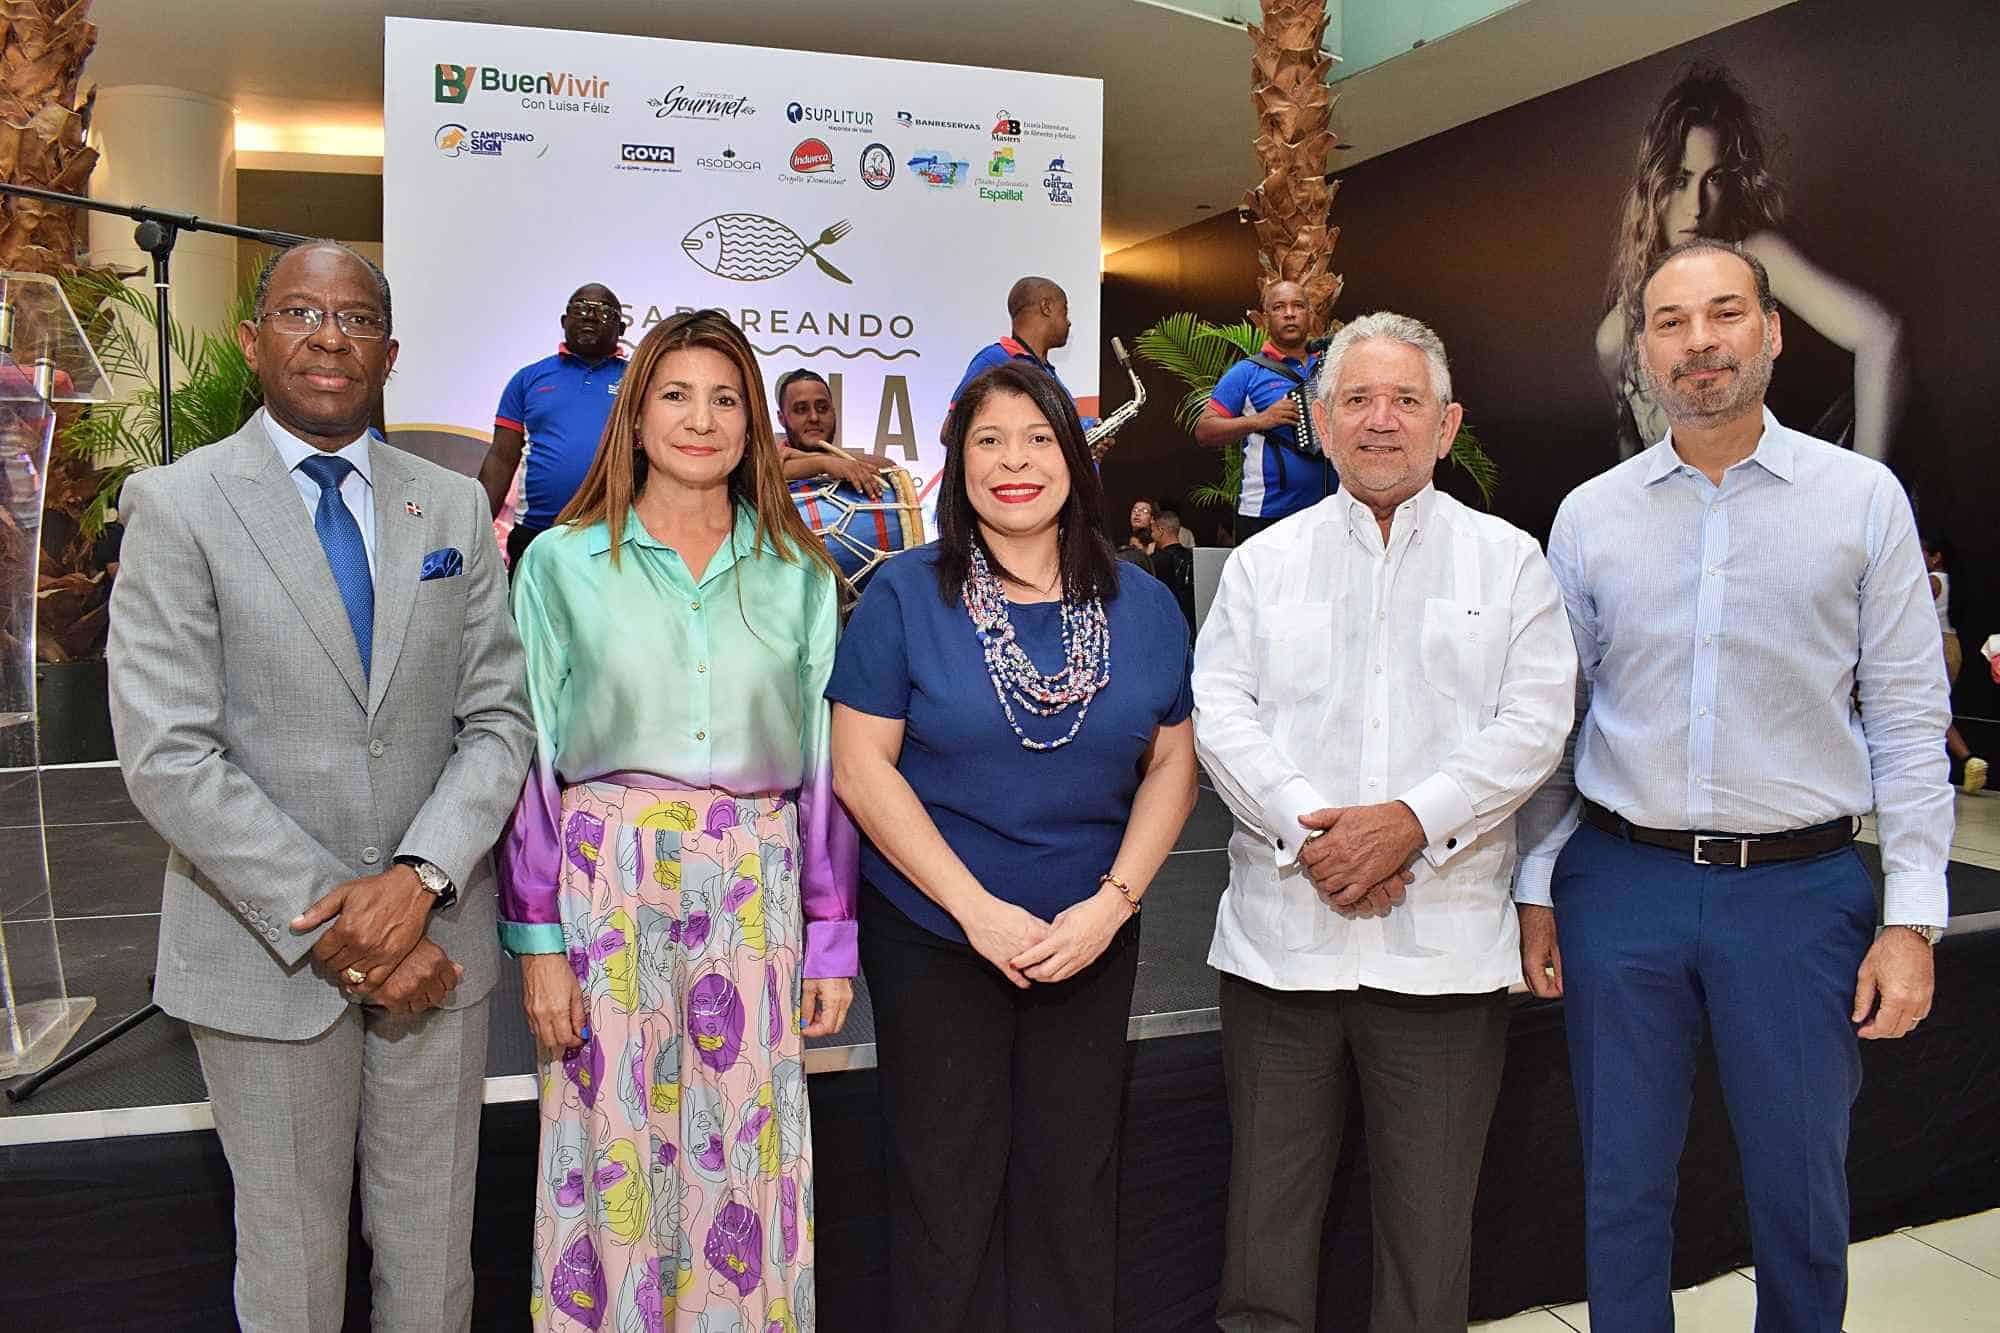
[[435, 881], [1931, 934]]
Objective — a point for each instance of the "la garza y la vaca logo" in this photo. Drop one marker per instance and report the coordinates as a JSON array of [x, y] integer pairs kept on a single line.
[[748, 247], [845, 119], [683, 103], [1006, 129], [550, 90], [1056, 180], [653, 158], [455, 140], [938, 169], [878, 166], [909, 120], [729, 163], [811, 161]]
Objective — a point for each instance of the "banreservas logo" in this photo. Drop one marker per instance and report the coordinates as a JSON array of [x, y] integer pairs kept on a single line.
[[909, 120]]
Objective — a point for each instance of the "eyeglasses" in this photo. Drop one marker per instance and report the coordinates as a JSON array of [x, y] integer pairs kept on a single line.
[[297, 321], [598, 309]]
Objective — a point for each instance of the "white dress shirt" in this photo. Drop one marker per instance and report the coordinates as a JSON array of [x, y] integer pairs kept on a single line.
[[1334, 672], [1723, 632], [357, 489]]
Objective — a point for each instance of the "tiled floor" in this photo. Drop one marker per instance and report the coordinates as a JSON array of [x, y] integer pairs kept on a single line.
[[1939, 1278]]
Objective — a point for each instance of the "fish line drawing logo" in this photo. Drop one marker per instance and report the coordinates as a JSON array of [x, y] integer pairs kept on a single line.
[[748, 247]]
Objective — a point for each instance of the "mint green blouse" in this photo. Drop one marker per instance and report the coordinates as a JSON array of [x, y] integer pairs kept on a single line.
[[643, 670]]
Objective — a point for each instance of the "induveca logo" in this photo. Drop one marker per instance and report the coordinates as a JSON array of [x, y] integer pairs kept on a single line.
[[831, 117], [811, 162], [1056, 180], [552, 90]]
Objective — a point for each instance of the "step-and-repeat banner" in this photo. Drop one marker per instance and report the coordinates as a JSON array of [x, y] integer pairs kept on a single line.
[[861, 217]]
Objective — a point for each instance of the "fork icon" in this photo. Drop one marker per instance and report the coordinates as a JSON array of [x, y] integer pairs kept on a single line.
[[829, 237]]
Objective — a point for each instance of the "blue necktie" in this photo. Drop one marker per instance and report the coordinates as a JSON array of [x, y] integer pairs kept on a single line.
[[346, 555]]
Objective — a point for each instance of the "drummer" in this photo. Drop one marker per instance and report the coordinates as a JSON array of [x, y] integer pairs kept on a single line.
[[806, 415]]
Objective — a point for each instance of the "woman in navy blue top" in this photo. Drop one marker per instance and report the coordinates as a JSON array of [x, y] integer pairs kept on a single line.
[[1010, 731]]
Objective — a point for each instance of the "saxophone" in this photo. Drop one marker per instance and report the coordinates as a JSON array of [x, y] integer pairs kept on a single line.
[[1098, 437]]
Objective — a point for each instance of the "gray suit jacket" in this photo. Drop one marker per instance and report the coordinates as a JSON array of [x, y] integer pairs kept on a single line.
[[251, 741]]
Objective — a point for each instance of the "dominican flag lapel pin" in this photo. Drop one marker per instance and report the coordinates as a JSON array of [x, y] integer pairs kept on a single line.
[[413, 509]]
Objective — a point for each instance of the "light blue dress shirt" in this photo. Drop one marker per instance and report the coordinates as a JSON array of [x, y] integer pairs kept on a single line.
[[357, 492], [1722, 634]]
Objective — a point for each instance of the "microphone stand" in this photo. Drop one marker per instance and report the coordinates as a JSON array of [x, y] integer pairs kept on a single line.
[[156, 233]]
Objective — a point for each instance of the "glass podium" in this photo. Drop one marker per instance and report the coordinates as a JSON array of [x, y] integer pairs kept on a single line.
[[45, 361]]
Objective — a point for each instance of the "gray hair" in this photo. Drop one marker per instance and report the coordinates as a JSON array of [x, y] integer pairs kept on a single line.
[[278, 257], [1396, 328]]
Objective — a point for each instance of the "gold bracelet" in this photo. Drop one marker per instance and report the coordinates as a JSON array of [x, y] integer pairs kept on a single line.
[[1124, 890]]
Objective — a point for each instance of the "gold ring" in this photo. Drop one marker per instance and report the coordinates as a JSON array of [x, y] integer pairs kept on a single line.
[[355, 976]]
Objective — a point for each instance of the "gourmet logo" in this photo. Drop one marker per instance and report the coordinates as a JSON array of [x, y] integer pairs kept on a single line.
[[812, 156], [678, 101], [455, 83]]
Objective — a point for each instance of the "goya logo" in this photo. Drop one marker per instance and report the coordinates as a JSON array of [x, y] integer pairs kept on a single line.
[[1056, 180], [660, 153]]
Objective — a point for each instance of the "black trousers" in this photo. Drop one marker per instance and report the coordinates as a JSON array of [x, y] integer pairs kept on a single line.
[[1001, 1109], [1429, 1072], [518, 538]]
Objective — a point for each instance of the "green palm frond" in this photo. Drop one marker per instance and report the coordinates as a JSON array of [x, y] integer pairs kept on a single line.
[[214, 390], [1468, 453], [1245, 337]]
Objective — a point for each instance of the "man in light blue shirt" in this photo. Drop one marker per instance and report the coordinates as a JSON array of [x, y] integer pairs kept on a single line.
[[1733, 591]]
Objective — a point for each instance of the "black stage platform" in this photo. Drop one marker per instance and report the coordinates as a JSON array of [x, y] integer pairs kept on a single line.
[[114, 1199]]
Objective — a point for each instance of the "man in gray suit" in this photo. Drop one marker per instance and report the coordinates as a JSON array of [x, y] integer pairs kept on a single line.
[[317, 693]]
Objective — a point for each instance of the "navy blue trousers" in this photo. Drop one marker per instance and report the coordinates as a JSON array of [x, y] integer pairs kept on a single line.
[[1651, 943]]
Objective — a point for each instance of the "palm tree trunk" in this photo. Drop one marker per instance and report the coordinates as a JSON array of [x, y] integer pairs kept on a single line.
[[43, 45], [1288, 88]]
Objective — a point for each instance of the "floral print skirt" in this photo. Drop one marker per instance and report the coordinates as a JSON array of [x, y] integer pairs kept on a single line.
[[674, 1189]]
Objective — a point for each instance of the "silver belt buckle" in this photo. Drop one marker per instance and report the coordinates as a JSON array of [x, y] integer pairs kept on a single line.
[[1742, 849]]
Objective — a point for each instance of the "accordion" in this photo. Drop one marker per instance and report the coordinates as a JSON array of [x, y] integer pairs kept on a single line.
[[1304, 433]]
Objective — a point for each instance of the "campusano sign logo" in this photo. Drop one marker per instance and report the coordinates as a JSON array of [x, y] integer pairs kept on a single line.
[[553, 90], [812, 156]]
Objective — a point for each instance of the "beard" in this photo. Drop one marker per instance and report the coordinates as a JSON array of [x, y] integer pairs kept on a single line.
[[1692, 404]]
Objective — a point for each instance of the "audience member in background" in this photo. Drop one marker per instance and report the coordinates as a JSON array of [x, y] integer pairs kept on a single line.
[[1038, 310], [555, 410], [1018, 796], [808, 449], [1691, 876], [1141, 520], [316, 689], [1173, 560], [678, 880], [1937, 559], [1380, 683], [1252, 409]]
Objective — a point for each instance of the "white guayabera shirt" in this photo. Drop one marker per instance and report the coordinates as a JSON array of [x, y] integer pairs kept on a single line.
[[1335, 671]]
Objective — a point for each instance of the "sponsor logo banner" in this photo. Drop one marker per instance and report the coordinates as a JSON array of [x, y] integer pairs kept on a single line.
[[841, 118], [1006, 129], [681, 102], [648, 157], [1001, 194], [939, 169], [1001, 163], [911, 121], [729, 163], [548, 90], [878, 166], [1056, 180], [455, 140], [811, 162]]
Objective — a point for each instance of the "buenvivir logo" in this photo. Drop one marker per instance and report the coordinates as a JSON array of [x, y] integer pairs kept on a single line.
[[552, 90]]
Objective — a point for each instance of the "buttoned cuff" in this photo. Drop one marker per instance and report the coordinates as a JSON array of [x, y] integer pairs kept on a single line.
[[519, 938], [1915, 898], [1445, 812], [1531, 881], [1281, 818], [833, 949]]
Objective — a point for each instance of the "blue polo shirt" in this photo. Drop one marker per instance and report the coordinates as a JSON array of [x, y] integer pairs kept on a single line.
[[1036, 827], [560, 405], [999, 354], [1278, 479]]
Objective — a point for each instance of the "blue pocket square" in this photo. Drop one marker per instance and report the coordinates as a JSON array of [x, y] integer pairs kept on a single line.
[[443, 563]]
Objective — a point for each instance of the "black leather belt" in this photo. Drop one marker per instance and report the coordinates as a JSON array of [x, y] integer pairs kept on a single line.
[[1738, 850]]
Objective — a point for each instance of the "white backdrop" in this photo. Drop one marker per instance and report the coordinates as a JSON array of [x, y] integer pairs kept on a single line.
[[862, 217]]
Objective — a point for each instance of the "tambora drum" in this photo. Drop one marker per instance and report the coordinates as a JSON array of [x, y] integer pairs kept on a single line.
[[861, 533]]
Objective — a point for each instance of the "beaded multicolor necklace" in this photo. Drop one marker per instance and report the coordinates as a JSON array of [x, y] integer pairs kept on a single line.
[[1086, 669]]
